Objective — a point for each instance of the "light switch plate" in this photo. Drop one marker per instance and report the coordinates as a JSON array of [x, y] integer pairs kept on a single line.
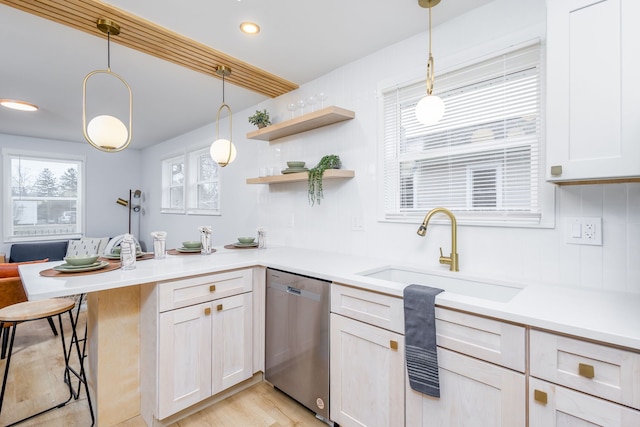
[[584, 231]]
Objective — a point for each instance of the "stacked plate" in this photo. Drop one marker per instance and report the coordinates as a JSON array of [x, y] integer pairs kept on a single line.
[[68, 268], [117, 256], [295, 167], [246, 242], [188, 250]]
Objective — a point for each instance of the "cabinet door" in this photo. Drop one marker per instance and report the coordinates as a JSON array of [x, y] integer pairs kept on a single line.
[[592, 90], [367, 374], [232, 341], [552, 405], [472, 393], [184, 358]]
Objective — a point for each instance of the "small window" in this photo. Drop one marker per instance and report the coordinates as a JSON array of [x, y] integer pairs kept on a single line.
[[191, 184], [43, 195], [204, 188], [483, 159], [173, 181]]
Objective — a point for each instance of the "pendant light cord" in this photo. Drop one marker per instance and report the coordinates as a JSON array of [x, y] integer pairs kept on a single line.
[[109, 49], [430, 62]]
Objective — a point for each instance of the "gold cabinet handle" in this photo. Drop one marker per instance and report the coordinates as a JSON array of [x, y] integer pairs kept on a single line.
[[207, 311], [540, 396], [556, 170], [212, 288], [393, 344], [219, 307], [586, 371]]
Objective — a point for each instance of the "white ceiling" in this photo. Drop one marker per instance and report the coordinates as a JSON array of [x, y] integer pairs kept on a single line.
[[45, 63]]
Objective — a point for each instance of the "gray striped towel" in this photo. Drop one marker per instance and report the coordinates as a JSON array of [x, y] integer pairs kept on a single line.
[[420, 338]]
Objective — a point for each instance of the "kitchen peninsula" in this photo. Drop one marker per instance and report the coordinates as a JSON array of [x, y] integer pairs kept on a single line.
[[120, 333]]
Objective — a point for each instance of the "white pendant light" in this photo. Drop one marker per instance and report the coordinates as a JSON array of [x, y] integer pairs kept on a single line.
[[222, 150], [430, 109], [106, 132]]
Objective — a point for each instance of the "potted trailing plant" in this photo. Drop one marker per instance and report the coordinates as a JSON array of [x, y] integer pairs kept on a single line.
[[315, 176], [260, 119]]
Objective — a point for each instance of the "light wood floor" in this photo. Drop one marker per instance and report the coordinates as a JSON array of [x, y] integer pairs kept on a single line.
[[35, 383]]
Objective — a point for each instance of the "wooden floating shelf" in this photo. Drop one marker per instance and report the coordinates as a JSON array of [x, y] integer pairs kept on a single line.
[[309, 121], [301, 176]]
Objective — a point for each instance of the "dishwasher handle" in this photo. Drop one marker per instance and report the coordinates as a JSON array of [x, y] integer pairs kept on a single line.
[[294, 291]]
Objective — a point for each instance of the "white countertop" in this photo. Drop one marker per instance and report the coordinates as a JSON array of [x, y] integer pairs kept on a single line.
[[610, 317]]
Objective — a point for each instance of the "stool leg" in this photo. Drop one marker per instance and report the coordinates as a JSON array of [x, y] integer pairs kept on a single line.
[[6, 368], [81, 376], [4, 332], [53, 326]]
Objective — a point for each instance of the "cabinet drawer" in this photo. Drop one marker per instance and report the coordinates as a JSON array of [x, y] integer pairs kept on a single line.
[[554, 405], [487, 339], [375, 309], [597, 369], [195, 290]]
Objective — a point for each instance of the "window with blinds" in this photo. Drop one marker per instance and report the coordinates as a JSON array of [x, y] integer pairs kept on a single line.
[[482, 160]]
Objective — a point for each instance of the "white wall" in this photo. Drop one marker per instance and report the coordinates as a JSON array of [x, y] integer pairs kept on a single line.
[[108, 175], [521, 254], [238, 204]]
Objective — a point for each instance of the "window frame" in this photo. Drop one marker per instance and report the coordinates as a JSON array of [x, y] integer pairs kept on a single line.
[[8, 154], [191, 182], [194, 181], [486, 51], [166, 182]]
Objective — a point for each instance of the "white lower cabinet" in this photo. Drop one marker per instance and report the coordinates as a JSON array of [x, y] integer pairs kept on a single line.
[[482, 375], [367, 358], [197, 339], [472, 393], [579, 383], [203, 349], [367, 374], [553, 405]]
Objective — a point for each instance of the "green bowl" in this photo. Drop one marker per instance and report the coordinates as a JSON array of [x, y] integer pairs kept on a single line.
[[81, 260], [246, 239], [191, 244], [295, 165]]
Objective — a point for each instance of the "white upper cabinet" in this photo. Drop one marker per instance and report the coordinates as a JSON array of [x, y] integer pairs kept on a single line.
[[593, 90]]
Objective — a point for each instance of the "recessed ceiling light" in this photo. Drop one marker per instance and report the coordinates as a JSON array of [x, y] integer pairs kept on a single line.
[[15, 104], [249, 28]]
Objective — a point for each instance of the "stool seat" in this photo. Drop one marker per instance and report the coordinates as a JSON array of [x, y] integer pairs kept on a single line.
[[34, 310]]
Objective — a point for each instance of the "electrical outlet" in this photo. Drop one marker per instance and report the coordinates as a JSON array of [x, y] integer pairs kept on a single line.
[[584, 231], [357, 223]]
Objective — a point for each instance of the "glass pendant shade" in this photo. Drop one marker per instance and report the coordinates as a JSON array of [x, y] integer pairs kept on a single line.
[[430, 110], [108, 132], [223, 152]]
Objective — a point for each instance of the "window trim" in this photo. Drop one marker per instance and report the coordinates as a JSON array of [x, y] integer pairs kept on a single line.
[[192, 183], [7, 214], [189, 156], [466, 58], [163, 163]]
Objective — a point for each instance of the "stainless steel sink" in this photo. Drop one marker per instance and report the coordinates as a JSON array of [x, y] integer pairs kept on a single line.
[[463, 286]]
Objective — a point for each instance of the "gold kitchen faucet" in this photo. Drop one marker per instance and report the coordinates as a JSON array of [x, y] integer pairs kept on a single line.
[[452, 259]]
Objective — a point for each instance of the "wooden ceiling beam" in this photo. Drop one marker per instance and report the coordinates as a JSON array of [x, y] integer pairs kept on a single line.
[[152, 39]]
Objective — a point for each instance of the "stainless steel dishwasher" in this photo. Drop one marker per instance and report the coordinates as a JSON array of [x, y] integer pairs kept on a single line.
[[297, 338]]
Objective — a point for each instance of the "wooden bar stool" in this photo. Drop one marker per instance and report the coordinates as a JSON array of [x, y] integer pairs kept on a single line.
[[41, 309]]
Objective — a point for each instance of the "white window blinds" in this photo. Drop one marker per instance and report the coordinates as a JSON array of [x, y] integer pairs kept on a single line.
[[482, 160]]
